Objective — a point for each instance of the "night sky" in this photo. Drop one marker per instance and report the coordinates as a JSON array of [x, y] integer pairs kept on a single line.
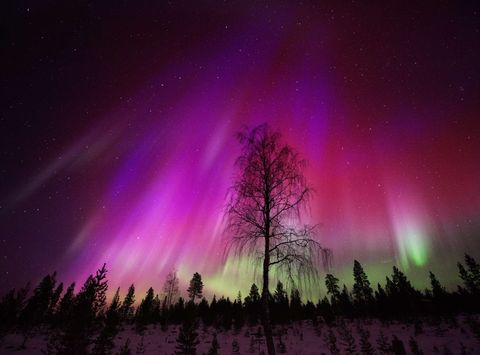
[[118, 122]]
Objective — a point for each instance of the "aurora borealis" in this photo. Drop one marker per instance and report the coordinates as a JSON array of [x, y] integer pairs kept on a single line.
[[118, 133]]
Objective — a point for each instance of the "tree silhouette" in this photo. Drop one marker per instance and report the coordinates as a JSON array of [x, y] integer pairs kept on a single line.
[[331, 282], [105, 341], [81, 322], [170, 289], [126, 310], [145, 311], [187, 340], [37, 307], [214, 347], [362, 291], [195, 289], [264, 210]]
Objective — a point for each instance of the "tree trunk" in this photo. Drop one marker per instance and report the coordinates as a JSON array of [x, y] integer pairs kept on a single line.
[[267, 326]]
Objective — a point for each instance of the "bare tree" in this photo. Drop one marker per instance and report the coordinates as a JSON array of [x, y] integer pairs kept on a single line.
[[264, 210], [170, 288]]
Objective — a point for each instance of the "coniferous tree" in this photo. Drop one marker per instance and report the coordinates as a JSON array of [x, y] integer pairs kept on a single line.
[[11, 305], [104, 342], [331, 282], [214, 347], [196, 287], [347, 339], [473, 267], [65, 306], [325, 310], [362, 292], [187, 339], [438, 291], [37, 307], [252, 305], [366, 346], [238, 313], [144, 314], [54, 301], [295, 305], [82, 320], [345, 302], [280, 307], [331, 342], [126, 310], [381, 300], [470, 277]]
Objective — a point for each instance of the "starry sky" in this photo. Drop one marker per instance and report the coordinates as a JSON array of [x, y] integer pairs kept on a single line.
[[118, 124]]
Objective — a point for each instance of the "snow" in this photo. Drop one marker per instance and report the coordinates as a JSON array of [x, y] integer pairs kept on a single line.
[[299, 338]]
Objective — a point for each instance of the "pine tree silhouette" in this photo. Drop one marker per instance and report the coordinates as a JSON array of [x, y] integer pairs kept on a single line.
[[65, 306], [145, 314], [214, 347], [366, 348], [362, 292], [37, 307], [346, 339], [104, 342], [126, 310], [331, 342], [331, 282], [82, 321], [196, 287], [187, 339]]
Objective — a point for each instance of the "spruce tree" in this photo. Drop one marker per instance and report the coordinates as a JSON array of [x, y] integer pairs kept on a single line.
[[280, 307], [37, 307], [295, 305], [126, 311], [82, 321], [331, 342], [362, 292], [196, 287], [331, 282], [54, 301], [11, 305], [144, 314], [366, 347], [214, 347], [470, 277], [347, 339], [438, 291], [187, 339], [104, 342]]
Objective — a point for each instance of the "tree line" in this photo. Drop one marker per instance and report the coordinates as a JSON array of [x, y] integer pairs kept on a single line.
[[83, 321]]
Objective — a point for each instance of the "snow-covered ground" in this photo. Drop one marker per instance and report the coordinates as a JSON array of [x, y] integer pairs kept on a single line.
[[298, 338]]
